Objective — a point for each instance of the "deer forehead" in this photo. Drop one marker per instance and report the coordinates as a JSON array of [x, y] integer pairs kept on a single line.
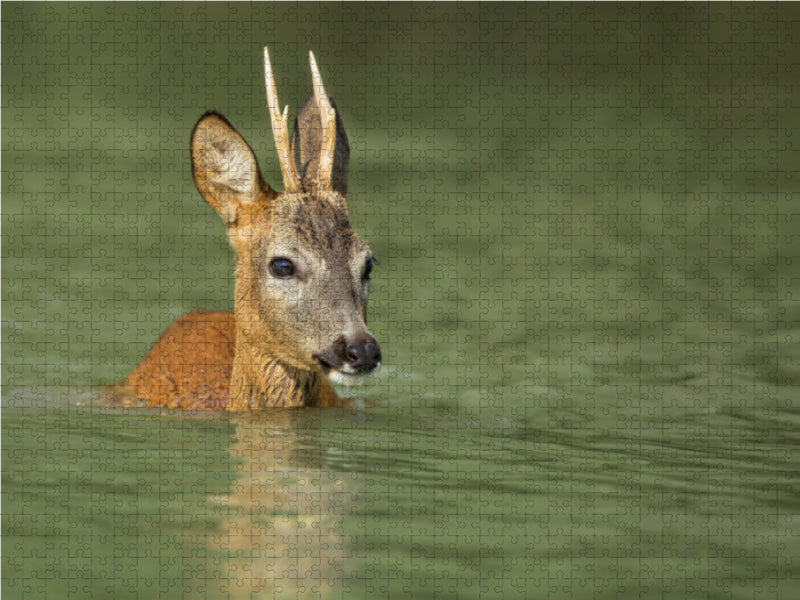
[[314, 226]]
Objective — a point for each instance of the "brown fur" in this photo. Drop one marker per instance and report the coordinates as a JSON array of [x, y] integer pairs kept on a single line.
[[190, 364], [284, 331], [190, 367]]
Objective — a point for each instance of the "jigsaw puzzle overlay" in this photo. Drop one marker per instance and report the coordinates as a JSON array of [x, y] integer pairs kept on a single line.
[[586, 224]]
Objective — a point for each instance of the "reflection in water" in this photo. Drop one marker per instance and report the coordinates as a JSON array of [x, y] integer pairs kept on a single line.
[[283, 535]]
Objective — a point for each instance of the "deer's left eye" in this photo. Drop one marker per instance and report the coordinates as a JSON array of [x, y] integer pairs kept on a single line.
[[367, 269]]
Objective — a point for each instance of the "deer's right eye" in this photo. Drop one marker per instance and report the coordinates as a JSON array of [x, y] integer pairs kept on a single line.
[[282, 268]]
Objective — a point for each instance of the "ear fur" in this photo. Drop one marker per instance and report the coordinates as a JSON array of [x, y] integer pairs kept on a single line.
[[224, 167]]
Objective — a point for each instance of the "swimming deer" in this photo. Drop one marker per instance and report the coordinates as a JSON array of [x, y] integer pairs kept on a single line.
[[301, 280]]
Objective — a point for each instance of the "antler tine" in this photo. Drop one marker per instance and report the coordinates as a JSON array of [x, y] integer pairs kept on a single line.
[[280, 130], [328, 117]]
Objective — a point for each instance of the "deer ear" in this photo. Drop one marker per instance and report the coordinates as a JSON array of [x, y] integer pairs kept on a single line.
[[308, 147], [224, 167]]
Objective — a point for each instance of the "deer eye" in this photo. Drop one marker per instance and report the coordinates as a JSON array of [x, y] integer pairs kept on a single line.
[[282, 268], [368, 269]]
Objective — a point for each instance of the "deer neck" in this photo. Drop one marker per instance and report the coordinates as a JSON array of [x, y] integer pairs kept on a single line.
[[260, 380]]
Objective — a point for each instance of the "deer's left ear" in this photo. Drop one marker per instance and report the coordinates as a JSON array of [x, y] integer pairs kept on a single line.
[[308, 146], [224, 167]]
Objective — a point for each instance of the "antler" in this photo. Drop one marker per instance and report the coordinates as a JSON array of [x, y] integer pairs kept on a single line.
[[327, 116], [280, 130]]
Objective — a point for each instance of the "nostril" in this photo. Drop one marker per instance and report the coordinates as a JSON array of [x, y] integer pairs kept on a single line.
[[354, 352]]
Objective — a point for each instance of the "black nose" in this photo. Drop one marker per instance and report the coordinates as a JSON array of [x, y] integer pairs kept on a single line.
[[364, 357]]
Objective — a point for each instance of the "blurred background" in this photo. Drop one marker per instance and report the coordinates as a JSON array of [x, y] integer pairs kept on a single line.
[[586, 217]]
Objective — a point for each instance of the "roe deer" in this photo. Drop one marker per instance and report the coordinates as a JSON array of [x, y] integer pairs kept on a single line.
[[302, 274]]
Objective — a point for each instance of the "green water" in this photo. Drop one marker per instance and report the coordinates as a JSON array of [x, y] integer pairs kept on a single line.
[[587, 226]]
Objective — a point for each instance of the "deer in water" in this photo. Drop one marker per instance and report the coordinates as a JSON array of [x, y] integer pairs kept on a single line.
[[301, 280]]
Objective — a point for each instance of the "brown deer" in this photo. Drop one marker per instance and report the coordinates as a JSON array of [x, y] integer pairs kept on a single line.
[[302, 274]]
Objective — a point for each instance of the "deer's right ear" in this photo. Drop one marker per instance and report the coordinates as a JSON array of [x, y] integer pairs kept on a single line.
[[224, 167]]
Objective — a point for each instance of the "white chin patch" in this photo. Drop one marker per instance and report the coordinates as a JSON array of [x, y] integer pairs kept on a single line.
[[351, 379]]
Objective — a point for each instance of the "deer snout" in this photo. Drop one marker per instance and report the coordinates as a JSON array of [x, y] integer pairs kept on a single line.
[[365, 356], [350, 361]]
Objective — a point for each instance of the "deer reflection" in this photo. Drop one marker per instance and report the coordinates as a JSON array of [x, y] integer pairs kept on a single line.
[[283, 535]]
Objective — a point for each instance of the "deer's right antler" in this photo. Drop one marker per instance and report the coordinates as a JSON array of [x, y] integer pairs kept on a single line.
[[327, 117]]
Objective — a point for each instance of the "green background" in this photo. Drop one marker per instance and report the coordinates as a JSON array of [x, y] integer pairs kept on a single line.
[[587, 226]]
